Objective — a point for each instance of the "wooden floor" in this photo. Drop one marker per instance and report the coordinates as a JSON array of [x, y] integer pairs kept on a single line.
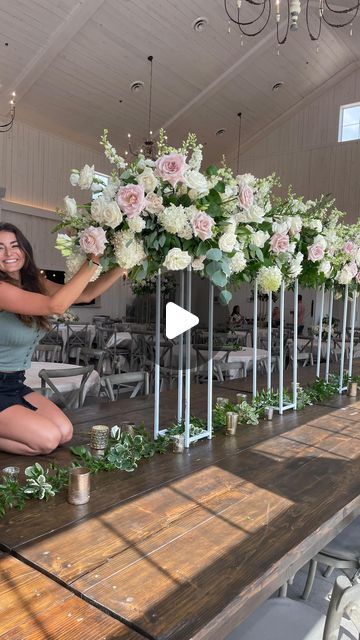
[[188, 545]]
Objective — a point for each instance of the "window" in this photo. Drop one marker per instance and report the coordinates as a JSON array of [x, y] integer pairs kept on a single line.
[[104, 179], [349, 122]]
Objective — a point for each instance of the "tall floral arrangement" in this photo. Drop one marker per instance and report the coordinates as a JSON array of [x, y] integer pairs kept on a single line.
[[166, 214]]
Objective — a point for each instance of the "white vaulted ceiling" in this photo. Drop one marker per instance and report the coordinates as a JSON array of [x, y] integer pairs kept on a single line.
[[71, 62]]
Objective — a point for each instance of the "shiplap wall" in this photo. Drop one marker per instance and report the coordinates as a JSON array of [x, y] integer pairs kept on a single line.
[[305, 153], [34, 169]]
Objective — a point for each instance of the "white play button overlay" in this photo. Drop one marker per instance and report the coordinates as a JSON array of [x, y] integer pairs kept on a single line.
[[178, 320]]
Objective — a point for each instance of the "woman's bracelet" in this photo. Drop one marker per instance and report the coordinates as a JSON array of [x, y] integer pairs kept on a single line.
[[89, 260]]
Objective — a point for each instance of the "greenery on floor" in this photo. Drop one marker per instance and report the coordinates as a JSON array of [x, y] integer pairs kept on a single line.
[[124, 450]]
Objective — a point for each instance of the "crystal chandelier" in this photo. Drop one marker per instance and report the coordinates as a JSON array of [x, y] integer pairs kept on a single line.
[[336, 18], [148, 146], [11, 116]]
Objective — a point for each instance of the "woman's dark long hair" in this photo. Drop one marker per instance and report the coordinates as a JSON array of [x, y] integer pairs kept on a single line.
[[31, 280]]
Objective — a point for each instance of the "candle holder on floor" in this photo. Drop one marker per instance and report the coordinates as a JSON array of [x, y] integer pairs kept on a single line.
[[178, 443], [269, 413], [10, 473], [128, 427], [79, 485], [241, 397], [352, 389], [231, 423]]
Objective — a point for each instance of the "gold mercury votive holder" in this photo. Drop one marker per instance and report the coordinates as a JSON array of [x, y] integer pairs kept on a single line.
[[241, 397], [352, 389], [79, 485], [99, 436], [128, 427], [231, 423], [222, 401], [178, 443], [11, 473]]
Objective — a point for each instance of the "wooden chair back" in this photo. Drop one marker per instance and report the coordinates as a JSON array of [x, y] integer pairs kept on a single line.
[[69, 399]]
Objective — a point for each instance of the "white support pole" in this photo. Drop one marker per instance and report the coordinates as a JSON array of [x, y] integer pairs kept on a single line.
[[269, 341], [352, 331], [180, 355], [319, 341], [281, 351], [255, 321], [157, 355], [295, 342], [210, 359], [187, 361], [343, 340], [329, 337]]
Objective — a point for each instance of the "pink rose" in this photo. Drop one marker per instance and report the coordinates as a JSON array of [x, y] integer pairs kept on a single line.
[[93, 240], [202, 225], [131, 199], [279, 243], [358, 277], [171, 168], [349, 247], [316, 252], [353, 268], [246, 197]]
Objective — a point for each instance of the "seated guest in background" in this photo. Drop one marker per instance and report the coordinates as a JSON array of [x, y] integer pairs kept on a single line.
[[301, 315], [275, 318], [30, 423], [236, 318]]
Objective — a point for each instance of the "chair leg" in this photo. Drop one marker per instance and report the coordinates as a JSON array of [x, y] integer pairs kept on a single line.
[[283, 590], [310, 579], [291, 580], [328, 571]]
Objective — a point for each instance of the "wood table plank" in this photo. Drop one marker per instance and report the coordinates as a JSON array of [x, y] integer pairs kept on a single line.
[[222, 538], [34, 607]]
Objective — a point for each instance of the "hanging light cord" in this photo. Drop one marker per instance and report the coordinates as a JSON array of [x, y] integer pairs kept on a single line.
[[239, 140], [150, 58]]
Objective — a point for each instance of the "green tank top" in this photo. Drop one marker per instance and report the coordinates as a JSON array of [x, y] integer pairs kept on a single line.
[[17, 342]]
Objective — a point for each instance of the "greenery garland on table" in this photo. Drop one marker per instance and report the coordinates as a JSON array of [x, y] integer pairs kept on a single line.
[[124, 450]]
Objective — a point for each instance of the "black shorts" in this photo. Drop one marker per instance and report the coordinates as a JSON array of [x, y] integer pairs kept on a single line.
[[13, 390]]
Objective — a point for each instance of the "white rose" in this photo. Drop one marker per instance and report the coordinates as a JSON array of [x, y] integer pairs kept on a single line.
[[148, 180], [97, 209], [97, 186], [357, 257], [154, 204], [198, 264], [196, 181], [238, 262], [112, 215], [321, 241], [177, 260], [74, 179], [136, 224], [295, 266], [71, 208], [227, 241], [246, 180], [254, 214], [110, 190], [325, 268], [86, 177], [345, 276], [281, 226], [295, 225], [259, 238]]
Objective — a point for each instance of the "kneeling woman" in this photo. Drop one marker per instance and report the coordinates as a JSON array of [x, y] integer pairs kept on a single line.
[[30, 423]]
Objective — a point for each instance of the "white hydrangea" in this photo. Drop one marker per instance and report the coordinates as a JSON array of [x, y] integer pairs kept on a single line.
[[136, 224], [295, 225], [315, 225], [269, 279], [345, 275], [238, 262], [175, 220], [73, 264], [281, 226], [148, 180], [246, 179], [129, 251], [177, 260]]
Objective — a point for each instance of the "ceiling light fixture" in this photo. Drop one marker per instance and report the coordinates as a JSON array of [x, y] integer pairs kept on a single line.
[[148, 146], [4, 128], [336, 18], [200, 24], [220, 132], [277, 86]]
